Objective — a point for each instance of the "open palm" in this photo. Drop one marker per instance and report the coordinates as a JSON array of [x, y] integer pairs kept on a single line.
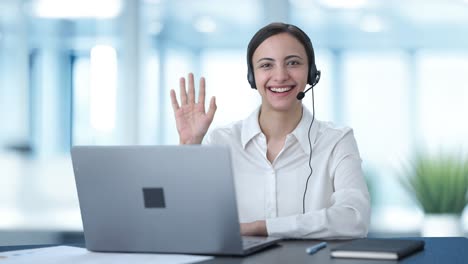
[[191, 119]]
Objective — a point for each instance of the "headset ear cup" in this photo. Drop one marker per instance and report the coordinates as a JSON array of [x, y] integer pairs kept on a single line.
[[251, 79], [312, 75]]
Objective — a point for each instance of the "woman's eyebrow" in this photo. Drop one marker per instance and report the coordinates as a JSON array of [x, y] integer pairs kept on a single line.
[[293, 56], [268, 59], [287, 58]]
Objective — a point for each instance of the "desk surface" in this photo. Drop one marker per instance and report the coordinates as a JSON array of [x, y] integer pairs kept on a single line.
[[451, 250]]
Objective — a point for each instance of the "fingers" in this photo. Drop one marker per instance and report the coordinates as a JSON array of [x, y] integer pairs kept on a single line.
[[188, 97], [212, 109], [183, 93], [201, 93], [191, 89], [175, 104]]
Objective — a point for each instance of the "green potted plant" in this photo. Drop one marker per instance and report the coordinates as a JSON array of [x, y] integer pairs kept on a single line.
[[439, 184]]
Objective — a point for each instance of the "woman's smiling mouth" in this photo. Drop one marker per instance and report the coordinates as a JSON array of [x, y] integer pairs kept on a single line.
[[281, 89]]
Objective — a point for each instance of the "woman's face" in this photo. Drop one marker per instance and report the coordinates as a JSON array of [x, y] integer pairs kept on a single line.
[[281, 68]]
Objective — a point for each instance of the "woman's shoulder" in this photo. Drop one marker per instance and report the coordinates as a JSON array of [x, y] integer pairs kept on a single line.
[[224, 132], [332, 130], [229, 128], [332, 127], [234, 131]]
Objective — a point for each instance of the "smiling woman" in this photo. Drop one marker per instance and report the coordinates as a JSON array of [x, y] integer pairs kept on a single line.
[[272, 161]]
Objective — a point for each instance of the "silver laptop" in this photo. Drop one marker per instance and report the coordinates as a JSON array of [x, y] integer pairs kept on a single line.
[[166, 199]]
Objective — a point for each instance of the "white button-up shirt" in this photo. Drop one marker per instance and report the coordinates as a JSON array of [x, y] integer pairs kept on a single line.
[[337, 203]]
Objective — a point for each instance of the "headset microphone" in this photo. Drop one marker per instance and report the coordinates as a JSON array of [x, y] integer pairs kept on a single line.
[[301, 95], [313, 80]]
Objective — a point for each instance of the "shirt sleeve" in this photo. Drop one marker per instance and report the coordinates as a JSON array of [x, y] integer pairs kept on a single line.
[[210, 138], [349, 213]]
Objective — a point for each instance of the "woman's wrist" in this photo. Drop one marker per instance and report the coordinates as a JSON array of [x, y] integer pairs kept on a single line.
[[192, 141], [260, 228]]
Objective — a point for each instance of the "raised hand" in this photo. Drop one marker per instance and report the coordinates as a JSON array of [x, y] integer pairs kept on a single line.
[[191, 119]]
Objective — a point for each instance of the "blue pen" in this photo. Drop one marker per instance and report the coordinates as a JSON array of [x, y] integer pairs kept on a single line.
[[313, 249]]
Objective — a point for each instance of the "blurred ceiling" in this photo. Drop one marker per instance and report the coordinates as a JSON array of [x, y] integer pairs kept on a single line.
[[352, 24]]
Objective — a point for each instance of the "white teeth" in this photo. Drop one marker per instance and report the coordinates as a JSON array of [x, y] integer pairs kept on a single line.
[[280, 90]]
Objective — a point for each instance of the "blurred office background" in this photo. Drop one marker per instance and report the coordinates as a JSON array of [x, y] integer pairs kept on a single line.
[[99, 72]]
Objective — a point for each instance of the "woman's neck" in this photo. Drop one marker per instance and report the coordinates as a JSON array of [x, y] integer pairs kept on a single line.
[[276, 124]]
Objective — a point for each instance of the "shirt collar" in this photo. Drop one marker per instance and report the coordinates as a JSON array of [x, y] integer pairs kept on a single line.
[[302, 130], [251, 128]]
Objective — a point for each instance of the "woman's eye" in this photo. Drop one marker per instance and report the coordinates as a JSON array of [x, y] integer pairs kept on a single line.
[[294, 63], [266, 65]]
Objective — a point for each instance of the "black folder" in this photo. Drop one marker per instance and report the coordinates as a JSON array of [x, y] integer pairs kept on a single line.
[[389, 249]]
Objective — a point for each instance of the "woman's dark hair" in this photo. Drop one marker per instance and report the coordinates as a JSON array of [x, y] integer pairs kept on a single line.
[[274, 29]]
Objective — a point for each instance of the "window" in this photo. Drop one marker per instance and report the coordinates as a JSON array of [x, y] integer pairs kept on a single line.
[[443, 97], [94, 96], [226, 78], [178, 64], [377, 107]]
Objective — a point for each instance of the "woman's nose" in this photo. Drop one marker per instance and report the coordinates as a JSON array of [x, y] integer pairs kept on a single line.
[[281, 74]]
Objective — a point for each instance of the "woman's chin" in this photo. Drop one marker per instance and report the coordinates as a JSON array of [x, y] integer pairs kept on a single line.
[[284, 105]]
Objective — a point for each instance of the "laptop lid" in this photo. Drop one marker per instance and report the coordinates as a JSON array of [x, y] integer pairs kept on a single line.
[[170, 199]]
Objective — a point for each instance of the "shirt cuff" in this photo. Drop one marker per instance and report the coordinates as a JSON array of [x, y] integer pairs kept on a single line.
[[281, 226]]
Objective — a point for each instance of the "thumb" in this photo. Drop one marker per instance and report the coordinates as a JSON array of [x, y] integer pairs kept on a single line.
[[212, 109]]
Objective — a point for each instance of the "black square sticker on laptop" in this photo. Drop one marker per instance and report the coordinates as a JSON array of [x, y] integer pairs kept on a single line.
[[154, 198]]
